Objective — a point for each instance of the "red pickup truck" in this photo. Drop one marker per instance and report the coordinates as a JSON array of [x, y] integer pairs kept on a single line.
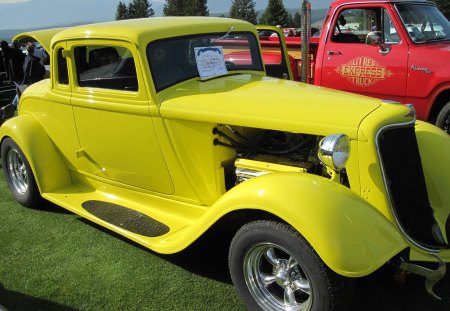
[[391, 49]]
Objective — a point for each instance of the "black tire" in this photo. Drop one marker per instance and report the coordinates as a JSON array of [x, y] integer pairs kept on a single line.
[[18, 175], [295, 278], [443, 119]]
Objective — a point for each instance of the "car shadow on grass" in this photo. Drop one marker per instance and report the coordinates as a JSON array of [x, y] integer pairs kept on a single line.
[[377, 291], [12, 300]]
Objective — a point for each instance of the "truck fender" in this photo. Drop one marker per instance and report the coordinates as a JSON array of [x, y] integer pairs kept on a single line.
[[46, 163], [433, 107], [350, 235]]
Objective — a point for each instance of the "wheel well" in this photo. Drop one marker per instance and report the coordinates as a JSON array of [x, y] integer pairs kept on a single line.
[[223, 231], [438, 104]]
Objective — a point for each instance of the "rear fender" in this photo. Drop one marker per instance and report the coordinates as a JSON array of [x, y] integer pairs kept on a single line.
[[45, 161], [348, 233]]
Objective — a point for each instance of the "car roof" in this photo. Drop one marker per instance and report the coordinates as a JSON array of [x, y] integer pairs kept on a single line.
[[144, 30], [340, 2]]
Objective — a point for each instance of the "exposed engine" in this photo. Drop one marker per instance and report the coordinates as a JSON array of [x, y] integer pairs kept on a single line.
[[260, 152]]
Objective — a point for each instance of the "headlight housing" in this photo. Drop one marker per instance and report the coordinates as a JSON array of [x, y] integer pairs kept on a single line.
[[334, 151]]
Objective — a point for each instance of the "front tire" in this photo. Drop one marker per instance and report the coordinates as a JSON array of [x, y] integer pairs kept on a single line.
[[274, 268], [443, 119], [18, 175]]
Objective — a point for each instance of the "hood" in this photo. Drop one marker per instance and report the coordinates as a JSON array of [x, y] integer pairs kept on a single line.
[[264, 102], [44, 37]]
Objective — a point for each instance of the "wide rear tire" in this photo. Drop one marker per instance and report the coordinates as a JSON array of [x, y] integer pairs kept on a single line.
[[18, 175]]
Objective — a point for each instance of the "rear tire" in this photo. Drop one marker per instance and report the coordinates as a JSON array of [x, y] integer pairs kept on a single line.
[[18, 175], [443, 119], [274, 268]]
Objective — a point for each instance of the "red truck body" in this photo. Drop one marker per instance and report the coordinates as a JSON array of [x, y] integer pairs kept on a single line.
[[409, 61]]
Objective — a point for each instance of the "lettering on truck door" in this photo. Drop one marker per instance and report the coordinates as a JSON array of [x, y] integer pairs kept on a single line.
[[352, 65]]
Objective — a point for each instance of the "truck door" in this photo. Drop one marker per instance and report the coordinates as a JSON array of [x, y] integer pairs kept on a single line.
[[276, 59], [351, 64]]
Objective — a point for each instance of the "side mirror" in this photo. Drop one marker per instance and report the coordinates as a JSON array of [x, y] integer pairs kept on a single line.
[[375, 38]]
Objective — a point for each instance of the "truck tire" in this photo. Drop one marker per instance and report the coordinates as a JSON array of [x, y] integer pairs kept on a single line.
[[18, 175], [274, 268], [443, 119]]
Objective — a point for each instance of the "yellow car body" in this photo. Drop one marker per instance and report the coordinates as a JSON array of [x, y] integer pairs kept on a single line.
[[155, 152]]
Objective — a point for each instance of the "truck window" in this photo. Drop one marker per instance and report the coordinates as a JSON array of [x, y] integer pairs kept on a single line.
[[107, 67], [424, 22], [353, 25]]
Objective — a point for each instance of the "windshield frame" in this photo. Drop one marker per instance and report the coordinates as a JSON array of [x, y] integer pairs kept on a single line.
[[418, 36], [181, 53]]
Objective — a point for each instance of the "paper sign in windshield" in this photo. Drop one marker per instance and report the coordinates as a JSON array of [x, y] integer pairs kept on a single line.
[[210, 61]]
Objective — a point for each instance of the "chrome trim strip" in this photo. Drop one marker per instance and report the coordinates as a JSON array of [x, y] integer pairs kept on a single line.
[[387, 189]]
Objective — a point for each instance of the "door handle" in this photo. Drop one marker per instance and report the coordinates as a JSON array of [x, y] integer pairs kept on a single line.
[[334, 53]]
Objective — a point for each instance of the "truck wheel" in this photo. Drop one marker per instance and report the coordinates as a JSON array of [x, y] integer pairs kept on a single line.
[[18, 174], [443, 119], [274, 268]]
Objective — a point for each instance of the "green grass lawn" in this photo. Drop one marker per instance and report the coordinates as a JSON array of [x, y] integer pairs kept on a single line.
[[51, 259]]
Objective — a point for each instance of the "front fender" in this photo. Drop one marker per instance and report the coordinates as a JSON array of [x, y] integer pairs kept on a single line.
[[348, 233], [434, 147], [45, 161]]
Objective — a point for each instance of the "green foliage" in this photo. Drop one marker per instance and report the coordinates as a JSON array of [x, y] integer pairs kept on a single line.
[[297, 20], [244, 9], [186, 8], [121, 11], [444, 6], [136, 9], [275, 14]]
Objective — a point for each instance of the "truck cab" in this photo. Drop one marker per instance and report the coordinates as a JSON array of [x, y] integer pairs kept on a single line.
[[393, 50]]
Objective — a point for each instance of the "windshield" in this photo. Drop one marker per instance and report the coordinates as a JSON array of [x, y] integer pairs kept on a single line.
[[173, 60], [424, 23]]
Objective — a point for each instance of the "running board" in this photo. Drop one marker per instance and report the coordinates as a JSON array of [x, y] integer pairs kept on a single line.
[[431, 276], [126, 218]]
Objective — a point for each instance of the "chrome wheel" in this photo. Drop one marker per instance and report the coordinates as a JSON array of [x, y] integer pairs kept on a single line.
[[17, 171], [18, 174], [275, 278]]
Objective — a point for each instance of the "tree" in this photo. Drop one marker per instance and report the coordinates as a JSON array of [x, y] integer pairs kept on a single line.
[[140, 8], [121, 11], [297, 20], [444, 6], [136, 9], [275, 14], [186, 8], [174, 8], [244, 9]]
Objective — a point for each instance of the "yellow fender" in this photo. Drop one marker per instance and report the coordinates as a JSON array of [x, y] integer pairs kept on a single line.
[[348, 233], [433, 141], [48, 167]]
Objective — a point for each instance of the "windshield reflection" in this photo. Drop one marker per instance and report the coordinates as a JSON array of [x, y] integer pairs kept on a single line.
[[424, 22]]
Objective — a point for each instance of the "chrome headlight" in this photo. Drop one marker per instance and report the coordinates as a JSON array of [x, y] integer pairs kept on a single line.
[[334, 151]]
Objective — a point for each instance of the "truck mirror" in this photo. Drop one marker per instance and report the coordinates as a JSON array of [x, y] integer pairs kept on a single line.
[[375, 38]]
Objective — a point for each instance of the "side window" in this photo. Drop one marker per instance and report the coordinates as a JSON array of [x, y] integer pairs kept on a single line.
[[390, 34], [63, 77], [353, 25], [106, 67]]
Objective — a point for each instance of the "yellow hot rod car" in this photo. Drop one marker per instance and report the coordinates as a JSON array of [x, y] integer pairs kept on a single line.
[[159, 129]]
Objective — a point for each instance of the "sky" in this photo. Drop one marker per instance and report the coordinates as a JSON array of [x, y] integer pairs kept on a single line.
[[21, 14]]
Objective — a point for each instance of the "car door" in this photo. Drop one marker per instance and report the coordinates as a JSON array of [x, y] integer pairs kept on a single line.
[[276, 59], [350, 64], [111, 110]]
